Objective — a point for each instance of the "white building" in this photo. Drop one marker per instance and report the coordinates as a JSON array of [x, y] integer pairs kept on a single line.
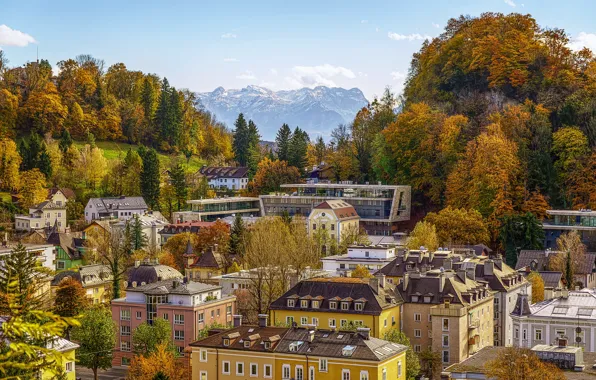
[[122, 208], [227, 177], [571, 314], [371, 257], [151, 223], [49, 213], [46, 255]]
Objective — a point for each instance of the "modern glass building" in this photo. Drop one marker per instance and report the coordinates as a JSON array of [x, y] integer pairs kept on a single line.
[[380, 207], [561, 221], [209, 210]]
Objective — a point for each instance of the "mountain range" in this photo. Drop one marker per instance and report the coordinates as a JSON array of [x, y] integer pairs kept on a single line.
[[317, 110]]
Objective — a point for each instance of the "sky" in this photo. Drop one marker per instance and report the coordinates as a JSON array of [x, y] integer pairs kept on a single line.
[[278, 44]]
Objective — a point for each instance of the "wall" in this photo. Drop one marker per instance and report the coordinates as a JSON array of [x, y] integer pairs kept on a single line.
[[410, 324], [69, 357]]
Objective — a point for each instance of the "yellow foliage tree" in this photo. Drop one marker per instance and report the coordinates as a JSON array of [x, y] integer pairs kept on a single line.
[[423, 235], [10, 161], [361, 272], [513, 363], [91, 165], [9, 105], [568, 244], [32, 190], [162, 360], [459, 226], [537, 286]]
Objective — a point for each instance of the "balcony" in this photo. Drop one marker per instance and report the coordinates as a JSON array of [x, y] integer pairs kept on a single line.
[[473, 324]]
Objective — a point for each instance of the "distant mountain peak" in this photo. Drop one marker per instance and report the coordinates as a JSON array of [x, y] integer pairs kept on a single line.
[[317, 110]]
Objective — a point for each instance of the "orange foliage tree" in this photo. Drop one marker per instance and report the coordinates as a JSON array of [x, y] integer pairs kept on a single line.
[[271, 175], [162, 360]]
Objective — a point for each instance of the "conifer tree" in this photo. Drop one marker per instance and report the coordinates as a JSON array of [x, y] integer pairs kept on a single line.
[[178, 180], [253, 135], [150, 180], [241, 141], [298, 148], [237, 235], [283, 142], [19, 268], [148, 101], [138, 237], [174, 129], [65, 141], [45, 163], [163, 112]]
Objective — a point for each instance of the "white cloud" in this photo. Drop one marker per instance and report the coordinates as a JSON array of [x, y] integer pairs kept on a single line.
[[247, 75], [11, 37], [510, 3], [364, 21], [409, 37], [273, 72], [436, 25], [228, 35], [312, 76], [582, 40], [230, 60]]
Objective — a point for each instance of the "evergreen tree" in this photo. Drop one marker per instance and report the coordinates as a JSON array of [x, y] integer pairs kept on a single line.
[[19, 268], [139, 239], [45, 163], [237, 234], [178, 180], [65, 140], [241, 141], [298, 149], [30, 152], [253, 135], [90, 138], [99, 94], [163, 112], [150, 178], [283, 142], [569, 271], [320, 149], [254, 157], [148, 102], [519, 232], [174, 130]]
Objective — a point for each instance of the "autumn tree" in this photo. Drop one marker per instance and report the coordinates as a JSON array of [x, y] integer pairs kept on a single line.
[[570, 257], [459, 226], [32, 188], [424, 235], [537, 283], [71, 299], [176, 246], [96, 337], [361, 272], [271, 175], [10, 161], [570, 146], [162, 360], [514, 363], [112, 248], [412, 362], [91, 165], [146, 338]]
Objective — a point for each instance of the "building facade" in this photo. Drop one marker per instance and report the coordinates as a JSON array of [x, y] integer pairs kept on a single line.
[[380, 207], [298, 353], [122, 208], [209, 210], [178, 227], [46, 214], [562, 221], [584, 274], [227, 177], [96, 279], [371, 257], [45, 253], [152, 222], [340, 303], [334, 218]]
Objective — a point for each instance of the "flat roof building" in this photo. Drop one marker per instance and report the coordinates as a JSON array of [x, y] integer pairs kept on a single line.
[[209, 210]]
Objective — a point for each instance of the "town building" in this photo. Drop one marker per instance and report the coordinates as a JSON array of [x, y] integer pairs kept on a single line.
[[559, 222], [340, 303], [152, 222], [410, 260], [96, 279], [122, 208], [298, 353], [227, 177], [209, 210], [371, 257], [173, 229], [571, 314], [46, 256], [204, 267], [157, 291], [70, 249], [447, 312], [539, 261], [334, 218], [380, 207], [49, 213], [552, 281]]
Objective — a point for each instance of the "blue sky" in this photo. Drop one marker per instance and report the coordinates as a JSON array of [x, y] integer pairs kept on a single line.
[[279, 44]]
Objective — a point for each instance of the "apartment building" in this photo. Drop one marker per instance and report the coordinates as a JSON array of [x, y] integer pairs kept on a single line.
[[226, 177], [123, 208], [334, 218], [205, 267], [559, 222], [447, 312], [584, 275], [297, 353], [407, 260], [372, 257], [96, 279], [212, 209], [340, 303]]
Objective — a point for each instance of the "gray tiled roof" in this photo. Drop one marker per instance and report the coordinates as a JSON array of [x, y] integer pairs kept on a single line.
[[579, 303], [108, 204], [539, 261], [168, 287]]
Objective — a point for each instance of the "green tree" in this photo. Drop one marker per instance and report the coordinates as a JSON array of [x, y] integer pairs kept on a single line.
[[45, 162], [19, 270], [65, 140], [163, 114], [298, 149], [284, 135], [241, 143], [412, 362], [519, 232], [178, 181], [133, 166], [138, 238], [320, 150], [148, 101], [150, 178], [96, 337], [147, 337], [237, 237]]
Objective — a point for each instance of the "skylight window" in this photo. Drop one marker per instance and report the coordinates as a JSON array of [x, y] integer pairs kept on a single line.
[[560, 310], [348, 350], [585, 312], [340, 336]]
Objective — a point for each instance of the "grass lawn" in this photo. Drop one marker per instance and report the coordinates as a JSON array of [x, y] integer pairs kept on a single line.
[[113, 150]]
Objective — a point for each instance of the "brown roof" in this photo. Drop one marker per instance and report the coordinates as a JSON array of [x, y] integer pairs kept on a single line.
[[68, 193], [417, 260], [176, 228], [243, 333], [209, 259], [342, 209]]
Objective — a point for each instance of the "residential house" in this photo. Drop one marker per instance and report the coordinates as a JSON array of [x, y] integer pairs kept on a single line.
[[371, 257], [96, 279], [571, 314], [212, 209], [447, 312], [416, 260], [152, 222], [340, 303], [70, 249], [296, 353], [173, 229], [539, 261], [552, 281], [122, 208], [559, 222], [43, 215], [335, 218], [46, 256], [188, 306], [204, 267], [231, 178]]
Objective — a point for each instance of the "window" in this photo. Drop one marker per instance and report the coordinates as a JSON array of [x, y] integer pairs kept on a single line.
[[225, 368], [124, 330], [363, 375], [517, 333], [445, 324], [124, 345], [399, 368], [285, 372], [384, 374], [385, 323], [358, 306], [343, 322], [166, 317], [304, 304], [315, 304], [299, 373], [304, 321], [61, 265], [538, 334], [125, 361], [203, 375], [333, 227], [291, 303], [69, 366], [524, 334], [267, 372], [445, 340], [125, 315], [59, 214], [179, 334], [201, 318], [289, 320], [314, 226], [560, 332], [345, 306], [180, 350], [333, 305], [417, 317], [311, 373], [254, 370], [240, 368], [203, 356], [417, 333], [445, 356], [322, 365], [345, 374], [178, 319], [417, 348], [139, 315], [315, 321]]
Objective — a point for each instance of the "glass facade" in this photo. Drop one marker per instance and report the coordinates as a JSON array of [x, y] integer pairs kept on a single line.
[[225, 206], [152, 302]]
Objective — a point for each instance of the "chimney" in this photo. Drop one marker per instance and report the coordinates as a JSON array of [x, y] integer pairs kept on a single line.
[[461, 273], [499, 262], [471, 273], [137, 263], [441, 281], [294, 279], [565, 293], [237, 320], [364, 332], [448, 263], [175, 284], [406, 280], [489, 267], [374, 284], [562, 342], [381, 278], [263, 320]]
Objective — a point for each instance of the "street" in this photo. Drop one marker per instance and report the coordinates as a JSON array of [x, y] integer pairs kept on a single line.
[[110, 374]]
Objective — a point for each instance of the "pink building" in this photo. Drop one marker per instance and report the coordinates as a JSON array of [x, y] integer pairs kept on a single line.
[[189, 307]]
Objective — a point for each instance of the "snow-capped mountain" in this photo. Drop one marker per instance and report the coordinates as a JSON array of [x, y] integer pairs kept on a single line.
[[317, 110]]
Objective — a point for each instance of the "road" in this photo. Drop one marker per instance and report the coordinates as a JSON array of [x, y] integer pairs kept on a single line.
[[110, 374]]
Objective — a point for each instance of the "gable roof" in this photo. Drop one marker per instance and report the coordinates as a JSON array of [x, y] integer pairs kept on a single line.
[[107, 204], [68, 193], [214, 172], [68, 241], [539, 261], [340, 208], [209, 259]]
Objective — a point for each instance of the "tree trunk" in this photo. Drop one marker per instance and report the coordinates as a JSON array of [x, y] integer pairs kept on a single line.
[[95, 374]]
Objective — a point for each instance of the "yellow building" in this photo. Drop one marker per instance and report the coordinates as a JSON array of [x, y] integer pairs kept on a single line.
[[334, 217], [67, 348], [96, 280], [296, 353], [340, 303], [203, 267]]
